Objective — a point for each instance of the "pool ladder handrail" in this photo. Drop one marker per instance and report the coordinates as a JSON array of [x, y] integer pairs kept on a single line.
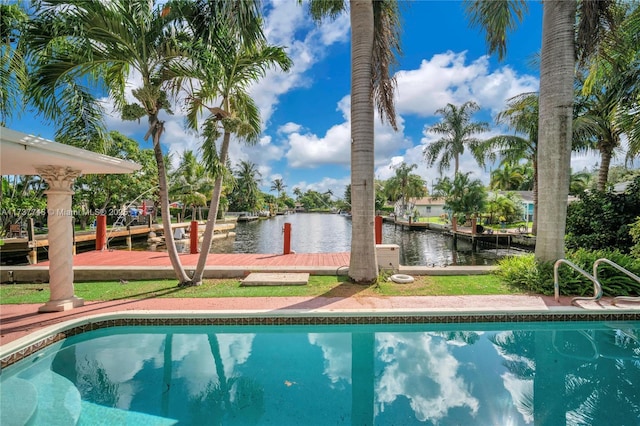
[[597, 288], [624, 271]]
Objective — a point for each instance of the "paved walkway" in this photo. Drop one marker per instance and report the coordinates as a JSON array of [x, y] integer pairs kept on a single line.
[[17, 321]]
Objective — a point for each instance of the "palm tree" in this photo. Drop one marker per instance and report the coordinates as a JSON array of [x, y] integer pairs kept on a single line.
[[405, 185], [246, 197], [326, 198], [78, 41], [13, 72], [602, 111], [504, 205], [466, 196], [297, 192], [190, 183], [458, 133], [278, 186], [443, 187], [580, 182], [615, 64], [521, 115], [557, 67], [507, 178], [224, 71], [597, 128], [374, 42]]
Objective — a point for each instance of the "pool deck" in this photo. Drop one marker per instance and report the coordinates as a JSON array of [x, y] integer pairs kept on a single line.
[[19, 321], [131, 265]]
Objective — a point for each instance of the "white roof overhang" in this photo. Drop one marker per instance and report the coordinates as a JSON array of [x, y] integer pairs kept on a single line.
[[23, 154]]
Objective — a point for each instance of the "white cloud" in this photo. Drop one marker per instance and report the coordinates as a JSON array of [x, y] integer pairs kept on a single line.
[[289, 128], [448, 78], [284, 22], [445, 78], [336, 185], [309, 150], [336, 350], [421, 369]]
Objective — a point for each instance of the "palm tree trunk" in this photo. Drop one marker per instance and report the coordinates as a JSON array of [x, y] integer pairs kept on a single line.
[[172, 251], [603, 173], [555, 122], [534, 225], [209, 228], [214, 345], [363, 268]]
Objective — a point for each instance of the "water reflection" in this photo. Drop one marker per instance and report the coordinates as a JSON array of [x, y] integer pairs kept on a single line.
[[529, 374], [327, 233]]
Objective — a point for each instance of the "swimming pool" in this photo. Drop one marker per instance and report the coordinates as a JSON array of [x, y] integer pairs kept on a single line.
[[144, 371]]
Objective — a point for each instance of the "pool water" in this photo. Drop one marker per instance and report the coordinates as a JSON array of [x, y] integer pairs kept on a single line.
[[543, 373]]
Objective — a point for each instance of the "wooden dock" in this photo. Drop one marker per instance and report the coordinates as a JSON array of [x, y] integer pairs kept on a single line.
[[15, 249], [502, 238]]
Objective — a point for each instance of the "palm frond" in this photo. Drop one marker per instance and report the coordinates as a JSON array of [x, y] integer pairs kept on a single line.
[[497, 18], [386, 49]]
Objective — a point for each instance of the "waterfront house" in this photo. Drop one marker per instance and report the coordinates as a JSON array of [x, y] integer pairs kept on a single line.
[[424, 206]]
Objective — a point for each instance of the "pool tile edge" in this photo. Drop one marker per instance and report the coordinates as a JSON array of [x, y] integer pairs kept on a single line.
[[14, 351]]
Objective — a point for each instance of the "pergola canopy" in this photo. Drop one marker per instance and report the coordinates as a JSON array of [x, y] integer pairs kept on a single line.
[[58, 165], [23, 154]]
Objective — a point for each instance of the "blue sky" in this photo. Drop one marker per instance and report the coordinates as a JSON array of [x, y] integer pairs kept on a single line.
[[305, 112]]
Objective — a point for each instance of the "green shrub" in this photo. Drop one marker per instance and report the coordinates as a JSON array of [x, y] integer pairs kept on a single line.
[[614, 282], [524, 273], [635, 236], [603, 219]]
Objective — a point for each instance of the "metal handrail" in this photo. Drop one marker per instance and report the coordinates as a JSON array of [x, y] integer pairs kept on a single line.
[[624, 271], [597, 288]]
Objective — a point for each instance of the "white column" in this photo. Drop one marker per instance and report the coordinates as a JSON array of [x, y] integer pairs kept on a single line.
[[60, 224]]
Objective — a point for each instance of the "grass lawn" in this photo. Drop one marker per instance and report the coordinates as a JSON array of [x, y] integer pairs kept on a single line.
[[328, 286]]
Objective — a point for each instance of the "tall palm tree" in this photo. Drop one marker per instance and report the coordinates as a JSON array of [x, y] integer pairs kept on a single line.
[[557, 66], [374, 43], [603, 108], [224, 70], [78, 41], [597, 128], [457, 132], [521, 115]]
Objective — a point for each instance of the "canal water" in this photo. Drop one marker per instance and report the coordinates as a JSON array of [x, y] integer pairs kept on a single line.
[[326, 233]]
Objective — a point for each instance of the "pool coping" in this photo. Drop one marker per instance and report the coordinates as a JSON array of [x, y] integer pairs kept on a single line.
[[18, 349]]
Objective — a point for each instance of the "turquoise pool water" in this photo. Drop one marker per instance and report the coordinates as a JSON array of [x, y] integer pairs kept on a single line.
[[543, 373]]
